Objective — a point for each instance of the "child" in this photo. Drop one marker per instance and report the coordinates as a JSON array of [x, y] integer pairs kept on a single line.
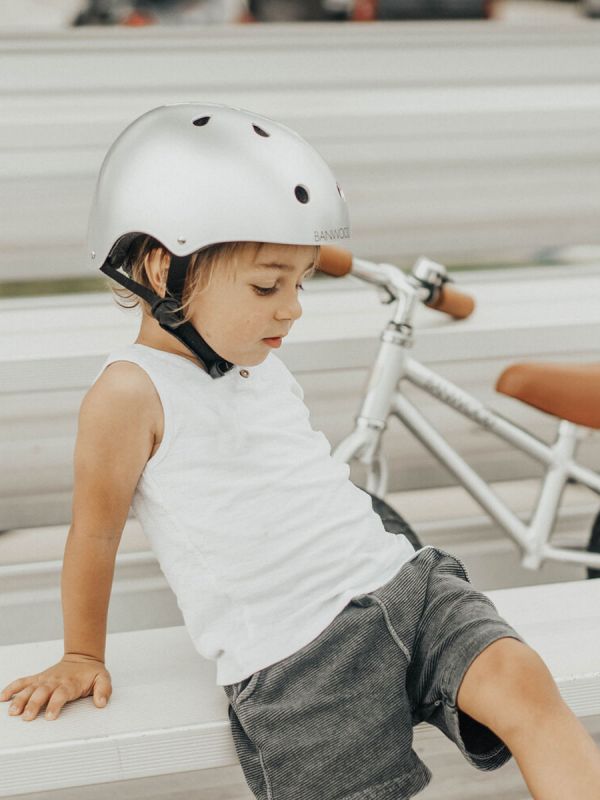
[[332, 637]]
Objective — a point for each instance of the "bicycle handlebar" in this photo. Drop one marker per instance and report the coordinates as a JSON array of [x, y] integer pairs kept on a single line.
[[453, 302], [337, 262]]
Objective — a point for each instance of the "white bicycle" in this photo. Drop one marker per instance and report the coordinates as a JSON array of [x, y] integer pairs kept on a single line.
[[571, 392]]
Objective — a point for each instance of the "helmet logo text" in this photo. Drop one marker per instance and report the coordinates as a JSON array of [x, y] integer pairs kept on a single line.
[[332, 233]]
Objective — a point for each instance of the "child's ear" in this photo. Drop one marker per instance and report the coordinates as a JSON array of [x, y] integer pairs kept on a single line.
[[156, 264]]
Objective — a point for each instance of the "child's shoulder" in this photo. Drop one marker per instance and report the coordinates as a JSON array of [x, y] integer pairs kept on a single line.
[[124, 379], [124, 388]]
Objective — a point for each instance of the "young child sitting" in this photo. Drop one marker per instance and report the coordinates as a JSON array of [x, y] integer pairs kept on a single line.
[[332, 637]]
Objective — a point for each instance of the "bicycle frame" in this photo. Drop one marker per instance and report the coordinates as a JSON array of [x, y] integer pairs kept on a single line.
[[384, 397]]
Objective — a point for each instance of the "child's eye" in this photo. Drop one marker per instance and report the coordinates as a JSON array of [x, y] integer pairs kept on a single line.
[[262, 291]]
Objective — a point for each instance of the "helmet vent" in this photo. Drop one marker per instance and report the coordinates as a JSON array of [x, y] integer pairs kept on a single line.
[[260, 131], [301, 193], [340, 191], [201, 121]]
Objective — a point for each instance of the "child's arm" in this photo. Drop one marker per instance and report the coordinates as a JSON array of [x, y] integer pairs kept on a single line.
[[115, 438]]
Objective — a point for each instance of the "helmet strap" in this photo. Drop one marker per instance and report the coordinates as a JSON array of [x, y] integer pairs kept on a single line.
[[164, 312]]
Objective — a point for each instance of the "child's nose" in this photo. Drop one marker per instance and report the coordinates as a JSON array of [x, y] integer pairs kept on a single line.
[[291, 310]]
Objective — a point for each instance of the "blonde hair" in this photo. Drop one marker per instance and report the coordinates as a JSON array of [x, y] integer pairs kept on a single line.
[[199, 273]]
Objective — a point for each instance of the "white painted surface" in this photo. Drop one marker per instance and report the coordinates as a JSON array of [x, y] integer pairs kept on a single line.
[[475, 141], [167, 715]]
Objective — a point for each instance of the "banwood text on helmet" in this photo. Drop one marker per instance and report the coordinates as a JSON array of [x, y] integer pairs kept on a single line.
[[196, 174]]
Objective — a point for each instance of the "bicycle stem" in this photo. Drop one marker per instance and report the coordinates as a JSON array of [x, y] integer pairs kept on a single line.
[[406, 290]]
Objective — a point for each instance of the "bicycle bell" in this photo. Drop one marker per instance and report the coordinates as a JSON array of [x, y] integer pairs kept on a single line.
[[431, 275]]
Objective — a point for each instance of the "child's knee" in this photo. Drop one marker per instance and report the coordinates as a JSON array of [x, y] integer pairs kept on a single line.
[[508, 688]]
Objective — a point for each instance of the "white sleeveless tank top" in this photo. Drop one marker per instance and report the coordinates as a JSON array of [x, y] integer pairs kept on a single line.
[[258, 530]]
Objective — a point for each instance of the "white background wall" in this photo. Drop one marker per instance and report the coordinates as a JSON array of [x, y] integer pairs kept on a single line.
[[474, 142]]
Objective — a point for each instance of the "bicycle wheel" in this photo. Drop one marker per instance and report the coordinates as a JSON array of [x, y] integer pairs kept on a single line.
[[593, 546], [392, 521]]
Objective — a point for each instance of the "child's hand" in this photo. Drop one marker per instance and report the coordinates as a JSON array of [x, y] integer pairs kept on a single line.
[[72, 677]]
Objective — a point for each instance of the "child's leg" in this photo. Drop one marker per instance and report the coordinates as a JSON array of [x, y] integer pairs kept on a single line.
[[509, 689]]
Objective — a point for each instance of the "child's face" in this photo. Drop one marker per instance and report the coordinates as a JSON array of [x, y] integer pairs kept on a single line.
[[243, 305], [252, 302]]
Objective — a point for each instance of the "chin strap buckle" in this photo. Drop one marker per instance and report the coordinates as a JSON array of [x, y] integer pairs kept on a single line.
[[164, 310]]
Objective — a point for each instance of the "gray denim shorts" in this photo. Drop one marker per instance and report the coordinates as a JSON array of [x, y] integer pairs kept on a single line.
[[333, 721]]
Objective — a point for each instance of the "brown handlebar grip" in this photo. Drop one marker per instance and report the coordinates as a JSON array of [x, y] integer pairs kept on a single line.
[[454, 302], [335, 261]]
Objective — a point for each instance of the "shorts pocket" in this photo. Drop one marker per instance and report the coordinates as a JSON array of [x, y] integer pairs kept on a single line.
[[244, 688], [361, 600]]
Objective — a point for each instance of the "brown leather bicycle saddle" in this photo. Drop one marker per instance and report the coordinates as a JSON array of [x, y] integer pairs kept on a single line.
[[569, 391]]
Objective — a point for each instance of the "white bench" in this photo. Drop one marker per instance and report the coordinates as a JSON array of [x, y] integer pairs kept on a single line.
[[167, 714]]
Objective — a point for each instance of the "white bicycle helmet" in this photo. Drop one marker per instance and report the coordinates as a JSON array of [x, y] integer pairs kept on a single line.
[[196, 174]]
